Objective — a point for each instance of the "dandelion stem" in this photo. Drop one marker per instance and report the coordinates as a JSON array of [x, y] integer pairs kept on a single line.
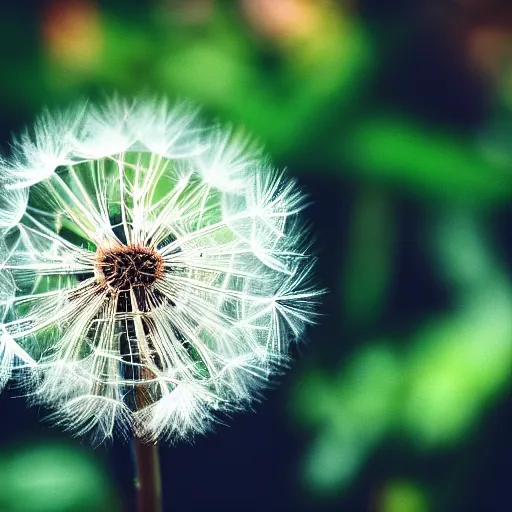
[[148, 481]]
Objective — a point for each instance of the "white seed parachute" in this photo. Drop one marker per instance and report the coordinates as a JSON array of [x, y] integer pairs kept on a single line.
[[153, 271]]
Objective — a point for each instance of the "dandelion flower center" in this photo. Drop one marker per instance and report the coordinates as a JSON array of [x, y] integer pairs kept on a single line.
[[128, 266]]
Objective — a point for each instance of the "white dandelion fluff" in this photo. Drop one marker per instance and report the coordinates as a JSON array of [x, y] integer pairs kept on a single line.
[[152, 271], [13, 203]]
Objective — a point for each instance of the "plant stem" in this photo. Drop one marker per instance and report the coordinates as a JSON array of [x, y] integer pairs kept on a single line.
[[148, 481]]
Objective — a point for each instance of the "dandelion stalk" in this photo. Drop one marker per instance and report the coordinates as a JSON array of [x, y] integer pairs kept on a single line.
[[148, 478], [148, 481]]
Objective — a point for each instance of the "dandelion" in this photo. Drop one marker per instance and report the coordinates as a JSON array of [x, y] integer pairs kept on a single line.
[[153, 271]]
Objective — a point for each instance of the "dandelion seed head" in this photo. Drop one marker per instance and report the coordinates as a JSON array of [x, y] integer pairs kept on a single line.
[[153, 271], [13, 203]]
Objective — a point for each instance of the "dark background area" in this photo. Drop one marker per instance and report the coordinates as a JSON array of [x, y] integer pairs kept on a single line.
[[396, 119]]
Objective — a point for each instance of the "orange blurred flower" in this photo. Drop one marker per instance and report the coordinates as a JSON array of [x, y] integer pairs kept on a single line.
[[284, 19], [72, 33]]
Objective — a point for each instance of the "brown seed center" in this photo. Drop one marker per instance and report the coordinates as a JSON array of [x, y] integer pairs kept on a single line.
[[128, 266]]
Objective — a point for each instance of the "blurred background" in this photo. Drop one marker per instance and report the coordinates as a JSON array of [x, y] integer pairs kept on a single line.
[[396, 117]]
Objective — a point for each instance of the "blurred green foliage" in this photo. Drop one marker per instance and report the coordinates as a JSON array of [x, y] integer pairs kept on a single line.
[[435, 389], [426, 161], [53, 477], [303, 76], [401, 496]]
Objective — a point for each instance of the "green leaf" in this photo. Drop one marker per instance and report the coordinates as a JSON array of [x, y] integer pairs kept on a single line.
[[426, 162]]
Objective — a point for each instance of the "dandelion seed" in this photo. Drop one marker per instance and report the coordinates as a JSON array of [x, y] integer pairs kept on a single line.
[[152, 271]]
